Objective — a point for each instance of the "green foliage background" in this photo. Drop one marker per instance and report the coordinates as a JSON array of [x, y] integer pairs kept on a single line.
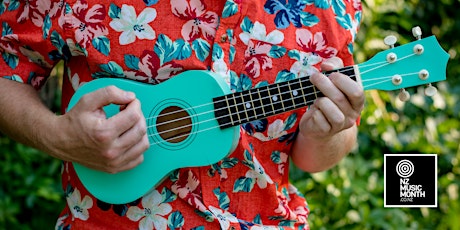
[[350, 195]]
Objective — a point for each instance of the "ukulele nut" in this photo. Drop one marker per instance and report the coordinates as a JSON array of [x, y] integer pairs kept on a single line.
[[396, 79], [391, 57], [423, 74], [418, 49]]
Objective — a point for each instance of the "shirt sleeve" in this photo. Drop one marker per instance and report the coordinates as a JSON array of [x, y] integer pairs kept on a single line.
[[28, 41]]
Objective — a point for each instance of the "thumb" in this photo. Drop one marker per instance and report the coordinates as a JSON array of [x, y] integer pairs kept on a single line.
[[108, 95], [331, 64]]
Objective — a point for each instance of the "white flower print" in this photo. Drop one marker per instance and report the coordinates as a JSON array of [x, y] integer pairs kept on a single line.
[[259, 175], [259, 32], [133, 26], [305, 65], [151, 215], [220, 67], [275, 130], [77, 206], [224, 217]]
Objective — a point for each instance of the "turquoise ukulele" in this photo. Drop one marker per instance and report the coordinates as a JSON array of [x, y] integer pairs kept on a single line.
[[188, 129]]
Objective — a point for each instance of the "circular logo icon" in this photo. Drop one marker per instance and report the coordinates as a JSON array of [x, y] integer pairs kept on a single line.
[[405, 168]]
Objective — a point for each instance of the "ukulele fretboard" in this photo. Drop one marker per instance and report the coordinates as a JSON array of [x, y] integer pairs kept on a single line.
[[257, 103]]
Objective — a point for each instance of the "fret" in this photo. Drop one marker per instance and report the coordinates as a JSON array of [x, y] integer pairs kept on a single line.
[[268, 103], [302, 88], [309, 91], [243, 105], [222, 112], [233, 107], [260, 103], [257, 103], [240, 110], [298, 97], [314, 90], [280, 95], [250, 111], [275, 99], [286, 96], [291, 92]]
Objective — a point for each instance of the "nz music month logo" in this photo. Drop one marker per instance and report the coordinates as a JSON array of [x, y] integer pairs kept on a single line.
[[410, 180]]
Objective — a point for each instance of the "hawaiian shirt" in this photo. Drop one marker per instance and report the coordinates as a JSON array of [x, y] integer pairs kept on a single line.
[[249, 43]]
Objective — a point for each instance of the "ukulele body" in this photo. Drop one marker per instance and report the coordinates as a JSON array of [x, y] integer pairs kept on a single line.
[[182, 130]]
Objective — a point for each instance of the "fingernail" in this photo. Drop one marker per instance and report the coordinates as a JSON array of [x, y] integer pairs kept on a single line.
[[130, 95]]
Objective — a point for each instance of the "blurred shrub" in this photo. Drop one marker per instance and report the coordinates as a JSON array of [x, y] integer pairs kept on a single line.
[[350, 196]]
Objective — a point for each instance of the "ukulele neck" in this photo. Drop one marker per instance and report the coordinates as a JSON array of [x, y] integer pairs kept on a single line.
[[258, 103]]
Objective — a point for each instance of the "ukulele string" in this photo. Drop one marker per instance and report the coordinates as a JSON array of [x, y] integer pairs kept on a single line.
[[212, 127], [223, 108], [383, 79], [223, 100], [342, 70], [213, 119]]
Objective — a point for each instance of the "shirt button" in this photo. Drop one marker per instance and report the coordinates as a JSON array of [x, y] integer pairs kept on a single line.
[[224, 38], [232, 228]]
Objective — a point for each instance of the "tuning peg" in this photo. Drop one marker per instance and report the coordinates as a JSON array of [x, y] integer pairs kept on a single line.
[[403, 95], [430, 90], [417, 32], [390, 41]]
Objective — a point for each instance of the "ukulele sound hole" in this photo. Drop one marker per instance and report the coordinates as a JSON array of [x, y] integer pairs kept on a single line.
[[174, 124]]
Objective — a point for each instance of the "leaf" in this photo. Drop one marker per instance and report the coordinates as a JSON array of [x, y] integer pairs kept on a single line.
[[284, 75], [276, 157], [246, 25], [308, 19], [244, 184], [217, 52], [277, 51], [222, 197], [11, 59], [57, 40], [102, 44], [113, 69], [241, 83], [114, 11], [175, 220], [345, 21], [183, 49], [150, 2], [46, 26], [168, 195], [201, 48], [230, 9], [164, 48], [338, 7], [290, 121], [229, 162], [132, 62]]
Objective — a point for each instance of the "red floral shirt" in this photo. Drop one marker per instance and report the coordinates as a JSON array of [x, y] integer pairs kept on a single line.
[[249, 43]]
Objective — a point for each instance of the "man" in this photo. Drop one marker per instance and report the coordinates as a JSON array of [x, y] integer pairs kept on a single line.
[[248, 43]]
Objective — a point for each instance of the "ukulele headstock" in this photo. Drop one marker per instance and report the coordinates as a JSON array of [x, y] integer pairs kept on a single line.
[[420, 62]]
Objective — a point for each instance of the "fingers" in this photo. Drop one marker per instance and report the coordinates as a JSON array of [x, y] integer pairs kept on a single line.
[[332, 91], [105, 96], [132, 140], [331, 64], [116, 143], [342, 104], [351, 89]]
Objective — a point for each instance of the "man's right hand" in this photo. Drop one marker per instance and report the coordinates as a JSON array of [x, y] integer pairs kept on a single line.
[[86, 136]]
